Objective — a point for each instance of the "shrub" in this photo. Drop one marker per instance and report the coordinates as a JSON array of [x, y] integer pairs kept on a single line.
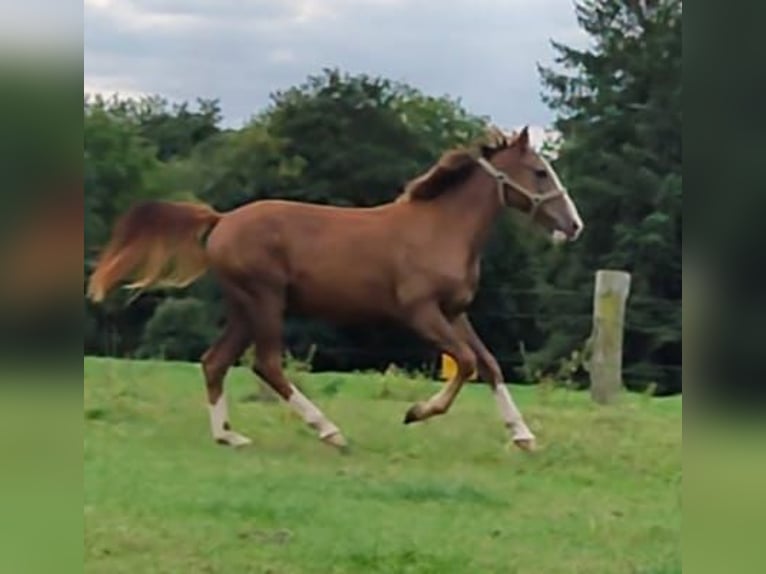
[[180, 329]]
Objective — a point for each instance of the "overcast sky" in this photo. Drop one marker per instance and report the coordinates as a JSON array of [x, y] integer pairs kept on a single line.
[[481, 51]]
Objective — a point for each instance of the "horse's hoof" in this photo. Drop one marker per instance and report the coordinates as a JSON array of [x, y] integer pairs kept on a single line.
[[338, 441], [526, 444], [233, 439], [413, 414]]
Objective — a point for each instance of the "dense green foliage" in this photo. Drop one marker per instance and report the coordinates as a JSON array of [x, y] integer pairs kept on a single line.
[[601, 497], [354, 140], [178, 329], [619, 110]]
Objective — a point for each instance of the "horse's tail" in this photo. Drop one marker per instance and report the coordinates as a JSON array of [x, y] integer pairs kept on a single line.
[[156, 243]]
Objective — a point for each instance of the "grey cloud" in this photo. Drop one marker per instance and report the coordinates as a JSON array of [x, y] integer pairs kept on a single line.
[[483, 51]]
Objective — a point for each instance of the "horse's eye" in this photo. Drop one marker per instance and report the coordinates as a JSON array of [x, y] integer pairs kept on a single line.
[[541, 173]]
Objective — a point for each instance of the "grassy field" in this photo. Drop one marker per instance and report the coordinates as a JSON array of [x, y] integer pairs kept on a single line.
[[446, 496]]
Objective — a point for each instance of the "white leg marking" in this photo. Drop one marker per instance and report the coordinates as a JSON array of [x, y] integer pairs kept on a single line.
[[511, 414], [219, 414], [437, 404], [219, 424], [315, 418]]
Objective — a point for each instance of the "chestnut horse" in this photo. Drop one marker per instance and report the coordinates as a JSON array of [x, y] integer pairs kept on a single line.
[[414, 261]]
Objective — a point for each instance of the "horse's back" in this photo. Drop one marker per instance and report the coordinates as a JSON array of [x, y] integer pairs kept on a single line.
[[321, 255]]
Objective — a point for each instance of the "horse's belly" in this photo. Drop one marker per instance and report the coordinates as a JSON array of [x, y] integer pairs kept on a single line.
[[342, 300]]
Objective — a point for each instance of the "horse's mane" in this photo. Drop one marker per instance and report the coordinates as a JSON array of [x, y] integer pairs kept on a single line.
[[454, 166]]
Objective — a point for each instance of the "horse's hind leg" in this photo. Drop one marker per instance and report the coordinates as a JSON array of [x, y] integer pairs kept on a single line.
[[265, 311], [215, 363]]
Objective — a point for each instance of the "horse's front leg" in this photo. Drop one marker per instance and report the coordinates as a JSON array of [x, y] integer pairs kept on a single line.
[[432, 325], [489, 371]]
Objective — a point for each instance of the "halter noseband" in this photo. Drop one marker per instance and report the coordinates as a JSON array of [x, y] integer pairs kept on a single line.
[[504, 180]]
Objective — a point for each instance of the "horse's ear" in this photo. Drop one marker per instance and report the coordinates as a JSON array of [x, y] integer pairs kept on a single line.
[[522, 140]]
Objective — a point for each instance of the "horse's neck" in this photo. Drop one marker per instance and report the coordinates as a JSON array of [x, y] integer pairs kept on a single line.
[[470, 211]]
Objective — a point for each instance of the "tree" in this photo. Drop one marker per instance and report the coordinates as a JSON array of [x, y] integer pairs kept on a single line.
[[120, 168], [176, 130], [375, 134], [619, 110], [179, 329], [237, 167]]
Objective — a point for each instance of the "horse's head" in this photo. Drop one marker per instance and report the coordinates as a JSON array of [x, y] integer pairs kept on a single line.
[[528, 182]]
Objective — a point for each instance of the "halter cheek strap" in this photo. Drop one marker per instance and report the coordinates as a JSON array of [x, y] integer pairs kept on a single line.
[[504, 180]]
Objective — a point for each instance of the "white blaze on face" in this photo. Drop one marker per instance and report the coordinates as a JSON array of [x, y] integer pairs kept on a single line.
[[572, 212]]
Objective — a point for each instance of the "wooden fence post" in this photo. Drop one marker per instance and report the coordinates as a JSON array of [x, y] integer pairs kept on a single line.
[[605, 363]]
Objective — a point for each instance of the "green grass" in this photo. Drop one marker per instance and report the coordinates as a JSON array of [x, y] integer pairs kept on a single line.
[[445, 496]]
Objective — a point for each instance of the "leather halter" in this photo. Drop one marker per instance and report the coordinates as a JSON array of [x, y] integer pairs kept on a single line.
[[504, 180]]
